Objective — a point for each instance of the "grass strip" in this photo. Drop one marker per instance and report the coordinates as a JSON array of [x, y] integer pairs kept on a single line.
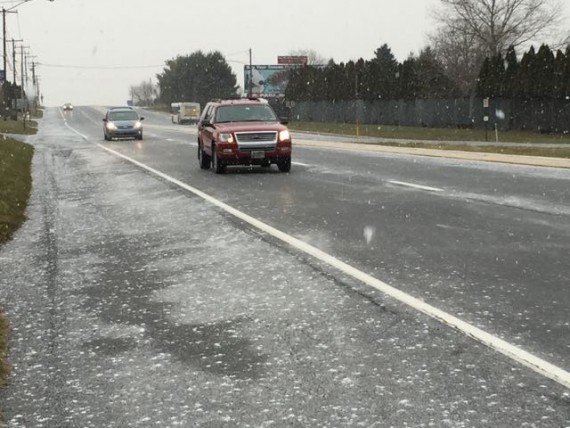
[[17, 127], [15, 188], [556, 152], [430, 134], [15, 185]]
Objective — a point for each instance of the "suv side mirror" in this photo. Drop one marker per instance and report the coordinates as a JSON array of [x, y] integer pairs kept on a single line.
[[141, 118], [284, 120], [207, 122], [104, 119]]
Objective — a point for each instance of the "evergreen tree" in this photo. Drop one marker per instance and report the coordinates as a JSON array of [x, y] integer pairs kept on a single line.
[[544, 72], [498, 76], [197, 77], [432, 81], [484, 83], [385, 69], [527, 75], [566, 75], [409, 87], [558, 87], [511, 72]]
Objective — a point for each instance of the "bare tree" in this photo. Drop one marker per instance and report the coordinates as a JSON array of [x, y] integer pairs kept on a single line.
[[470, 30], [313, 57], [143, 94], [498, 24], [460, 55]]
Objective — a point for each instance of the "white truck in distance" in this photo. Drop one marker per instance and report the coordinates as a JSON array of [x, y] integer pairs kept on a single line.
[[187, 113]]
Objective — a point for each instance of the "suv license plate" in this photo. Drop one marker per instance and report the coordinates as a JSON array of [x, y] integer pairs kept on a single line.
[[260, 154]]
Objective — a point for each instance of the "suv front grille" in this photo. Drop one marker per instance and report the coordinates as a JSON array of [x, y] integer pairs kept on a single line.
[[256, 140]]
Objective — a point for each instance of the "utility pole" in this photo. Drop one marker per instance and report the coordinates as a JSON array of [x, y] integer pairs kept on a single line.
[[4, 12], [4, 53], [14, 58], [22, 83], [26, 67]]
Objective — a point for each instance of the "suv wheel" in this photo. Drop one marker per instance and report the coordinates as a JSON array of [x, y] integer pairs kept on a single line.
[[203, 158], [219, 167], [285, 166]]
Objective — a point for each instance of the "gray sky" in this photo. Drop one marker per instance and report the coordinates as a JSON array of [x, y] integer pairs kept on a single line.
[[92, 51]]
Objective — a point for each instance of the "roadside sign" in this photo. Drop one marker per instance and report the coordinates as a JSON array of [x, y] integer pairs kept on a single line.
[[293, 59]]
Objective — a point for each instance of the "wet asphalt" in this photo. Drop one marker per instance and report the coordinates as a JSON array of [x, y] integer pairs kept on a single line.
[[134, 302]]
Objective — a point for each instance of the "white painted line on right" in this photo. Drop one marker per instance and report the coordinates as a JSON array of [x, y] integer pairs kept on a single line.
[[416, 186]]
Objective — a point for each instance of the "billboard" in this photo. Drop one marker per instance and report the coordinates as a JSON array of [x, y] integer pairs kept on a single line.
[[293, 59], [267, 80]]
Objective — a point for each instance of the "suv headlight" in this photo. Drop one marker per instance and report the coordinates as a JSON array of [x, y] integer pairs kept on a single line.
[[138, 124], [284, 135], [226, 137], [110, 125]]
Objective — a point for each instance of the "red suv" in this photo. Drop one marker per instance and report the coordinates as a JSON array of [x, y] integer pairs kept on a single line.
[[242, 132]]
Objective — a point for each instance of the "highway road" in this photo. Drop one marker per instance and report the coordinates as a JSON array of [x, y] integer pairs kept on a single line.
[[360, 289]]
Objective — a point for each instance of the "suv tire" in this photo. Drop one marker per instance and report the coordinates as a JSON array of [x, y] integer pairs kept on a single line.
[[219, 167], [203, 158], [284, 166]]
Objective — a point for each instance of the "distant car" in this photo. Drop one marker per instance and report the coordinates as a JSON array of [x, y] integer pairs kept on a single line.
[[242, 132], [67, 107], [122, 122], [188, 113]]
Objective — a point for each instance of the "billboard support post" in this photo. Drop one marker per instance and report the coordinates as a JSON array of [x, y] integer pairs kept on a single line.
[[250, 86]]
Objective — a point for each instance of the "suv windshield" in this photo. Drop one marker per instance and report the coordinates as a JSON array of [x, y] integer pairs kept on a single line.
[[244, 113], [123, 115]]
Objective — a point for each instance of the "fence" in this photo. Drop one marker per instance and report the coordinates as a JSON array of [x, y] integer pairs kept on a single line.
[[547, 115]]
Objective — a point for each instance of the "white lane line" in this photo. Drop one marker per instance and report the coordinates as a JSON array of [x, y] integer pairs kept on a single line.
[[300, 164], [531, 361], [416, 186]]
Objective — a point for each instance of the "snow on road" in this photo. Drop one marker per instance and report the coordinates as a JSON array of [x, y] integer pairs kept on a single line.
[[134, 303]]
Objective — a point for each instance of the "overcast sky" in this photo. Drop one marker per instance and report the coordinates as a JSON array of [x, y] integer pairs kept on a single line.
[[91, 51]]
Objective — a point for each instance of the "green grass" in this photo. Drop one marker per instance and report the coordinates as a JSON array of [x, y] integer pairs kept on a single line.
[[433, 134], [160, 107], [17, 127], [557, 152], [16, 184], [15, 188]]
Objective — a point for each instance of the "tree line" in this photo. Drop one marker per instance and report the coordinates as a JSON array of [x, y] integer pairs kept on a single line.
[[542, 74], [538, 75], [381, 78]]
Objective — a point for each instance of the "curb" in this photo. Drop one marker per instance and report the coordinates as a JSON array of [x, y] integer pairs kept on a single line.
[[453, 154]]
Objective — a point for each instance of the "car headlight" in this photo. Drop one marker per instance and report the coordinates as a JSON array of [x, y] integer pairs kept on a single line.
[[284, 135], [226, 137], [111, 125], [138, 125]]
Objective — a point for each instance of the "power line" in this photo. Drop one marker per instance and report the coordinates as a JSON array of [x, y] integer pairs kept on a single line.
[[94, 67]]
